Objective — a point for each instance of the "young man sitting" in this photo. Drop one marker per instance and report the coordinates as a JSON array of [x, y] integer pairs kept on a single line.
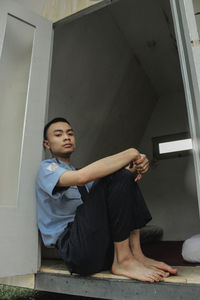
[[93, 215]]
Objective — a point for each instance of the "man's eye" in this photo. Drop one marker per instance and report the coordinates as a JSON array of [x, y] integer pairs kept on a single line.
[[58, 134], [71, 134]]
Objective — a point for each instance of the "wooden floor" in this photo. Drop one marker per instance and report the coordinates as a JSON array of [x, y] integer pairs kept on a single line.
[[186, 274]]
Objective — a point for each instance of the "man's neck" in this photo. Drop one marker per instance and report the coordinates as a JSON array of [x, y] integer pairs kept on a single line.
[[64, 159]]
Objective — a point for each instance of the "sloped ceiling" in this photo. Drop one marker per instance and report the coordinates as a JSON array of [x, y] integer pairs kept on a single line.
[[148, 27]]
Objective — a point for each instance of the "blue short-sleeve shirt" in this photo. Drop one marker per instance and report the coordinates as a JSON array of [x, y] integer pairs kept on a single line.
[[56, 206]]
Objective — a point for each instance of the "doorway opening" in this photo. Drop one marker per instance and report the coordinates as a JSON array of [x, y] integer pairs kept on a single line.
[[116, 77]]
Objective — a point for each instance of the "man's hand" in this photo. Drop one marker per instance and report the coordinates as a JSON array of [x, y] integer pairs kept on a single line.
[[141, 166], [131, 167]]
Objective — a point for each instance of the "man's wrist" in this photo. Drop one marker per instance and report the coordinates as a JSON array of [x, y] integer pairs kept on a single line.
[[134, 153]]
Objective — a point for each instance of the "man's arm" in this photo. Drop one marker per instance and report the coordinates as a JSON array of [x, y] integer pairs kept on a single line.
[[98, 169]]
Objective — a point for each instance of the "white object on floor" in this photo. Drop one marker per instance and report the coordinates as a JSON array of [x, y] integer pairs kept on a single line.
[[191, 249]]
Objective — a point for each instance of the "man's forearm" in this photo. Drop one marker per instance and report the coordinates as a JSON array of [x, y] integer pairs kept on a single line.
[[99, 169], [108, 165]]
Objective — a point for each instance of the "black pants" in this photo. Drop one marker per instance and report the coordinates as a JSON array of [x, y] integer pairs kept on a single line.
[[114, 208]]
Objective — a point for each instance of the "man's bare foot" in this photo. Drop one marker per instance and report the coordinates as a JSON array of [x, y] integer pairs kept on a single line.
[[155, 263], [134, 269]]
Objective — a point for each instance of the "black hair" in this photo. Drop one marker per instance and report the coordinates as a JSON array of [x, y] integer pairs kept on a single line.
[[55, 120]]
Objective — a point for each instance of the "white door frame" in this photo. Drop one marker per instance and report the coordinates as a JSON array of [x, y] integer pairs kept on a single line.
[[189, 53]]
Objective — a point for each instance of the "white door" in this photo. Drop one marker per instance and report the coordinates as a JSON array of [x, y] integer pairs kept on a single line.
[[189, 52], [25, 55]]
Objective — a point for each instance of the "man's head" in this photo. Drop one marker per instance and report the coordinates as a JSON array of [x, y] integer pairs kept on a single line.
[[59, 137]]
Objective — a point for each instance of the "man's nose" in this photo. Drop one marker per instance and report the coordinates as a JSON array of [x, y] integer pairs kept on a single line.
[[66, 136]]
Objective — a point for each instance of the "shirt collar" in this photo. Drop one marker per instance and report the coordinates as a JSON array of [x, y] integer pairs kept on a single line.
[[63, 164]]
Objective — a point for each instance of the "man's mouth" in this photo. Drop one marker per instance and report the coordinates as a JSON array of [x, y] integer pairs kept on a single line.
[[67, 145]]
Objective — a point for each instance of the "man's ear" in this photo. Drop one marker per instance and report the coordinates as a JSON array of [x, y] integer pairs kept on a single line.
[[46, 144]]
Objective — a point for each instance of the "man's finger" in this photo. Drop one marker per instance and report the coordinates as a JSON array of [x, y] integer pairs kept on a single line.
[[141, 159], [145, 161], [141, 166], [144, 171], [139, 177]]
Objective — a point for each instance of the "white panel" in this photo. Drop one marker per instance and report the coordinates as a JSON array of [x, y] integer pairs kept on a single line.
[[24, 106], [14, 75]]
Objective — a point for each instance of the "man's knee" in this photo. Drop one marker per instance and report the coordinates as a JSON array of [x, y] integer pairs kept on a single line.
[[122, 174], [121, 184]]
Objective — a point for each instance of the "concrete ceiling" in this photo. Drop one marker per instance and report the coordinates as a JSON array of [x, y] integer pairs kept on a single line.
[[148, 27]]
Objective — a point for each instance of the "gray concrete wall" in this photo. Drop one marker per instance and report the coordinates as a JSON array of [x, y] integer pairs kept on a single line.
[[98, 85], [169, 188]]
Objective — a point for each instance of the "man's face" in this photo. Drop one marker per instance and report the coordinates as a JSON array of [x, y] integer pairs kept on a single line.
[[60, 139]]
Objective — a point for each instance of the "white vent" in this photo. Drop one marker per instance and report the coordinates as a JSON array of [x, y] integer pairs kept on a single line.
[[175, 146]]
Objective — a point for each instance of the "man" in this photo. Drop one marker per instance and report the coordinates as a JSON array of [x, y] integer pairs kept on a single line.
[[93, 215]]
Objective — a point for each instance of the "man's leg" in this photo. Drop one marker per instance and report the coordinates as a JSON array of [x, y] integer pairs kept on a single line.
[[138, 254], [113, 209], [126, 205], [127, 210]]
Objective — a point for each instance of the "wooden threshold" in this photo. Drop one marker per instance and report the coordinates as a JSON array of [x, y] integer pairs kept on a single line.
[[186, 275]]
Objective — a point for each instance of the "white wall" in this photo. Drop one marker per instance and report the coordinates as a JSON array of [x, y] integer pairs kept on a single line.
[[169, 188], [98, 85], [14, 76]]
